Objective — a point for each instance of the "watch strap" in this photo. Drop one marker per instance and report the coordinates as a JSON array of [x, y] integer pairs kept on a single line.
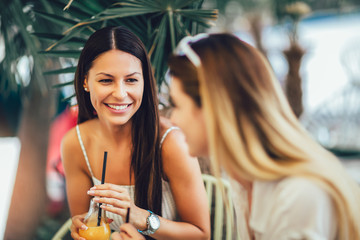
[[149, 230]]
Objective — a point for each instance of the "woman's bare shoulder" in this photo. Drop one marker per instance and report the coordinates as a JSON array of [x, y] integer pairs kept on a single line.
[[165, 124], [69, 138], [70, 143]]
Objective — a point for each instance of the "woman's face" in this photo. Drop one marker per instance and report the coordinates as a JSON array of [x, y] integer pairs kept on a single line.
[[116, 84], [189, 117]]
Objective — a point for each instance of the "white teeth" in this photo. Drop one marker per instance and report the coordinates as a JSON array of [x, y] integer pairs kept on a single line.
[[117, 107]]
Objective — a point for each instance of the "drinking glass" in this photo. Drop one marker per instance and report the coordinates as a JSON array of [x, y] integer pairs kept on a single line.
[[95, 231]]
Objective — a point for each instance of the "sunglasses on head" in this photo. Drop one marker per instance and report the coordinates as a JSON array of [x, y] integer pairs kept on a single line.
[[184, 48]]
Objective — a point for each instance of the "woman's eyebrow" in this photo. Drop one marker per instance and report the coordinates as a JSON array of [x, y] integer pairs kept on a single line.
[[106, 74], [131, 74], [109, 75]]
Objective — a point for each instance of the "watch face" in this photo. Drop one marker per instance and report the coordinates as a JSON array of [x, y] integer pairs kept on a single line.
[[154, 222]]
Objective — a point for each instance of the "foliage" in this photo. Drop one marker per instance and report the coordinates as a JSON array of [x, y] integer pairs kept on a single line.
[[280, 12], [21, 67], [160, 24], [17, 45]]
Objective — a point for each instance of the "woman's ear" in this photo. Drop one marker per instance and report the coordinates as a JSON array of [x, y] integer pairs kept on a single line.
[[85, 85]]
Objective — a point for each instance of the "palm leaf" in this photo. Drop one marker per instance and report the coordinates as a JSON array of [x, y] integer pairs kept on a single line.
[[68, 98], [160, 24], [66, 22], [75, 42], [62, 53], [65, 38], [61, 71], [63, 84]]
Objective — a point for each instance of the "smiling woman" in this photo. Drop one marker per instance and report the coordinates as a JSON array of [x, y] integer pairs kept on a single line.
[[148, 167], [116, 93]]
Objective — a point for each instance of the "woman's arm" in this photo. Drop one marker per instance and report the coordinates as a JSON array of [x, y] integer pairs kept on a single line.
[[184, 175], [127, 231], [77, 179]]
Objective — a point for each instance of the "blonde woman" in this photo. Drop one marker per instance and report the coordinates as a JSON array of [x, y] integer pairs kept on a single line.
[[232, 109]]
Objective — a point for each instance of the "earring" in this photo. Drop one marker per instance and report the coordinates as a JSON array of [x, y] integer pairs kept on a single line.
[[86, 89]]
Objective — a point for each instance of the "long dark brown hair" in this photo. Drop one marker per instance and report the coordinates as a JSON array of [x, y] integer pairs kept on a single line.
[[146, 158]]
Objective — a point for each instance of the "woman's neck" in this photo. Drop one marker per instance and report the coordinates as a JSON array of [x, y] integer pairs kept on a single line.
[[116, 133], [248, 186]]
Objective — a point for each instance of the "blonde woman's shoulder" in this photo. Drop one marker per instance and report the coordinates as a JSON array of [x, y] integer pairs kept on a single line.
[[301, 186], [302, 193], [293, 206]]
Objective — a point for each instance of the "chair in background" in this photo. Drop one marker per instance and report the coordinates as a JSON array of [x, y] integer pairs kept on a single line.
[[221, 208], [65, 228]]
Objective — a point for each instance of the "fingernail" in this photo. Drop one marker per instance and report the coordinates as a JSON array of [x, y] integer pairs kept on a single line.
[[84, 227], [93, 188], [82, 238], [90, 192], [96, 199]]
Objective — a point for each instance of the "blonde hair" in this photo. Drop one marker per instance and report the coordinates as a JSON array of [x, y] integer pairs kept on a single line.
[[254, 134]]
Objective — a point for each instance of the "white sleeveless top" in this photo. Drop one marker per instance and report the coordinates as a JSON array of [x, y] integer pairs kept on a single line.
[[168, 203]]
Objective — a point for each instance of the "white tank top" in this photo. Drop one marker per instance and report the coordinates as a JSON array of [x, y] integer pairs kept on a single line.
[[168, 203]]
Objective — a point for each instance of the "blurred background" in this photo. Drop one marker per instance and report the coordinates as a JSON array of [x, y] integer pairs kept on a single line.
[[313, 47]]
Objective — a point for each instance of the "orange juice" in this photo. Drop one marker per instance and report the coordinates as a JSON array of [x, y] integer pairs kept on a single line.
[[95, 232]]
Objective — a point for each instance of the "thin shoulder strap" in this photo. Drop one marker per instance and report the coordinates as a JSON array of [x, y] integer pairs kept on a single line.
[[166, 133], [83, 149]]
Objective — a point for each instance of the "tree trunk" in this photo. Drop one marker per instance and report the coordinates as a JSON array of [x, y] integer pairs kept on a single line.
[[293, 83], [29, 194], [256, 28]]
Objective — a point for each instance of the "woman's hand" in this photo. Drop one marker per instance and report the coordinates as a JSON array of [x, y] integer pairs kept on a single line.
[[119, 199], [127, 231], [77, 223]]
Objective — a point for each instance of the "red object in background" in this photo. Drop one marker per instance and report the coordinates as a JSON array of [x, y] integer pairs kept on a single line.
[[59, 127], [55, 176]]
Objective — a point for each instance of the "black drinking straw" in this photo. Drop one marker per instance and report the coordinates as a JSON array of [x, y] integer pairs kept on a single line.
[[102, 182], [127, 215]]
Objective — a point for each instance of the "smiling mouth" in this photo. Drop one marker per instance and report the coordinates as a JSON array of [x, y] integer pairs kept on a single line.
[[118, 107]]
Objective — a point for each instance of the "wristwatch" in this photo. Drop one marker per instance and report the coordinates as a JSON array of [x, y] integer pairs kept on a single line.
[[152, 222]]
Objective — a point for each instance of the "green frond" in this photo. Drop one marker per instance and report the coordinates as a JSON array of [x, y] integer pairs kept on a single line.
[[160, 24], [210, 15], [179, 4], [66, 22], [62, 53], [63, 84], [65, 38], [61, 71], [127, 11], [68, 98], [75, 42]]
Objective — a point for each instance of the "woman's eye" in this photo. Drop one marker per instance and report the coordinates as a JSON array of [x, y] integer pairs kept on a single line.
[[131, 80], [105, 80], [171, 102]]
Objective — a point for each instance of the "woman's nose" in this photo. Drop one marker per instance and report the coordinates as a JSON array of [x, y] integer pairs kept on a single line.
[[120, 91]]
